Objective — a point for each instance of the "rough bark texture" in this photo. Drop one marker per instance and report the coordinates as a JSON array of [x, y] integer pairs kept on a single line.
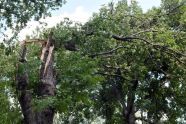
[[46, 87]]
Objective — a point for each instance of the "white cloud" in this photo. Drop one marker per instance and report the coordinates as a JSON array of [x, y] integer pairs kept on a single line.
[[78, 15]]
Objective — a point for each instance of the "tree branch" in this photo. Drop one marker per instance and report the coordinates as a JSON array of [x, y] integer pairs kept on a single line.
[[129, 38], [169, 50], [107, 52]]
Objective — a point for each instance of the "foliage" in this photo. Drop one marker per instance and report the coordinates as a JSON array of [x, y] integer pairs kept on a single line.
[[10, 111]]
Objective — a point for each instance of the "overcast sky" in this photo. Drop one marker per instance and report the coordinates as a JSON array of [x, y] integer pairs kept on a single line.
[[78, 10]]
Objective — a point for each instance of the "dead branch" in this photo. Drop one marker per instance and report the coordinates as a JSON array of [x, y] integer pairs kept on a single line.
[[36, 41]]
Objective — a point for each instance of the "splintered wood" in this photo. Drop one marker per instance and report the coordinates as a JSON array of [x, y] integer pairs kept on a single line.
[[46, 83], [47, 77]]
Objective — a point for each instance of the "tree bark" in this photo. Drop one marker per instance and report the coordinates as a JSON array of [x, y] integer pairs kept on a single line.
[[46, 87], [129, 110]]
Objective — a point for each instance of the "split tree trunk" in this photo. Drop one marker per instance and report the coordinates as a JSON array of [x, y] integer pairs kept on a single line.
[[46, 87]]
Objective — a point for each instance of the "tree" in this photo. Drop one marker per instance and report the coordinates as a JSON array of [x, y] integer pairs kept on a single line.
[[129, 66], [141, 57]]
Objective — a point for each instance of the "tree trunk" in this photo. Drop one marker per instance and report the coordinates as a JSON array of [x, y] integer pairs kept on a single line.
[[129, 110], [46, 87]]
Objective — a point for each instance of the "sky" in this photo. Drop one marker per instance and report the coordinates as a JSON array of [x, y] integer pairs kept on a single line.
[[78, 11]]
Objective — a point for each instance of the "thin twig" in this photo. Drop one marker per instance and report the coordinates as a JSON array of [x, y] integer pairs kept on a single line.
[[107, 52], [144, 31]]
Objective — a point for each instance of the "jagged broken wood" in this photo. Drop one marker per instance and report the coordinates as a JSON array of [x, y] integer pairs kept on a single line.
[[46, 84]]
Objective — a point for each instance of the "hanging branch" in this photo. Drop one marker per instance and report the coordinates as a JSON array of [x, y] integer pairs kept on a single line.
[[129, 39]]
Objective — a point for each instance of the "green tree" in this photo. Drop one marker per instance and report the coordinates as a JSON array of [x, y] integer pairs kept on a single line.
[[140, 56]]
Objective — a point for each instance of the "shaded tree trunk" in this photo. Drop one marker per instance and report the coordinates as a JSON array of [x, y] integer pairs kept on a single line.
[[129, 109], [46, 86]]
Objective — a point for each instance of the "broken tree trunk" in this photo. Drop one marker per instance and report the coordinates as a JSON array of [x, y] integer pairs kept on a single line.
[[45, 89], [24, 94], [47, 81]]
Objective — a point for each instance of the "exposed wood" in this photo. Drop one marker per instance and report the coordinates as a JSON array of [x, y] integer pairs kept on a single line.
[[36, 41], [22, 52], [47, 81]]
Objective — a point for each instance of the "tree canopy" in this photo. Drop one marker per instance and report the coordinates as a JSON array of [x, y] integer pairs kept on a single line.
[[122, 66]]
